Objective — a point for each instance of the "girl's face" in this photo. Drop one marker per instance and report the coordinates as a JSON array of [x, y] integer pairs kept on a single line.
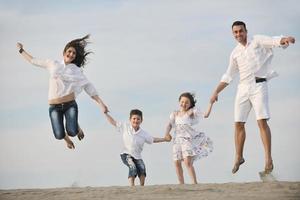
[[184, 103], [135, 121], [69, 55]]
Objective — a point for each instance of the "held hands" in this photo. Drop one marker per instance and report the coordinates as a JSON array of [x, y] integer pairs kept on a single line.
[[168, 137], [104, 109], [207, 113], [287, 40]]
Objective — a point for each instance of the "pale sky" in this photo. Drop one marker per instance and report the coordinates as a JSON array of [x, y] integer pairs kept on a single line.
[[146, 53]]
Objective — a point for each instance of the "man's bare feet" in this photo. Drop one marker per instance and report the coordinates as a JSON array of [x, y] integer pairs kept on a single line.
[[269, 167], [80, 134], [237, 165]]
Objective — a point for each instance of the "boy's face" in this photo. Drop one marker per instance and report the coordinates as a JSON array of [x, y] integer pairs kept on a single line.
[[135, 121]]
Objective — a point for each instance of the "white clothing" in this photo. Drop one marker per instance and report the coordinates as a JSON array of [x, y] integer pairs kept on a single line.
[[133, 141], [65, 79], [187, 139], [251, 61], [249, 96]]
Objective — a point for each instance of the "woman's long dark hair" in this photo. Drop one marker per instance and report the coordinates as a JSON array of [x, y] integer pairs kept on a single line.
[[81, 53]]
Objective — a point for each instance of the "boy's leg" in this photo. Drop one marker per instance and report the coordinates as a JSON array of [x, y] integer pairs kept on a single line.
[[142, 180], [141, 170], [128, 161], [189, 165], [131, 180], [179, 171]]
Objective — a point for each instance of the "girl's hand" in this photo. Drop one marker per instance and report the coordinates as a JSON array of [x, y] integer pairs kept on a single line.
[[207, 113], [168, 137]]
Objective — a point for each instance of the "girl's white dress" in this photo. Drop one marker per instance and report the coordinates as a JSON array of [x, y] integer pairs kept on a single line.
[[187, 140]]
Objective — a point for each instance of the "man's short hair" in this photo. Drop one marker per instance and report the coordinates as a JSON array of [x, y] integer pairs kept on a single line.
[[239, 23]]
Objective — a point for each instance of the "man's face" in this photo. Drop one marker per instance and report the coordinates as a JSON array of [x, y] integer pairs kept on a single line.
[[240, 34]]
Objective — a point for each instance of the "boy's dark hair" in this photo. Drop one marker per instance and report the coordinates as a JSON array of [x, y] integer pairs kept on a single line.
[[239, 23], [191, 97], [136, 112], [81, 53]]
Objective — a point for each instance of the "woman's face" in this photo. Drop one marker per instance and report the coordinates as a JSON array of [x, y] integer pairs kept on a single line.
[[69, 55], [185, 103]]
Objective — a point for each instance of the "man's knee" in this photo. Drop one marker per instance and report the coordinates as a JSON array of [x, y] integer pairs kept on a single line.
[[239, 126], [263, 124]]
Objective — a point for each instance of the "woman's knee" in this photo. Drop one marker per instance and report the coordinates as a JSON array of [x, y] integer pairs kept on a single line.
[[59, 135], [72, 132]]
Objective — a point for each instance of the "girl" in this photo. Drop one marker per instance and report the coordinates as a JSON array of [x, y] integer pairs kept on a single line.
[[66, 82], [188, 144]]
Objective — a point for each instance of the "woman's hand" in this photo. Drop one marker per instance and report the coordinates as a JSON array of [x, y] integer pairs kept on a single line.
[[19, 46]]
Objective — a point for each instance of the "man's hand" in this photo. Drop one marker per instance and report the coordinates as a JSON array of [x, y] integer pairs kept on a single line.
[[287, 40]]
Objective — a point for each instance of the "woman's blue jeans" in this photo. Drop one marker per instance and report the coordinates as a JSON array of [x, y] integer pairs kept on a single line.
[[58, 112]]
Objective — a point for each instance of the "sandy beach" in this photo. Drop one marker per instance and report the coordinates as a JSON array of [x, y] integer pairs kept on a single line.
[[230, 191]]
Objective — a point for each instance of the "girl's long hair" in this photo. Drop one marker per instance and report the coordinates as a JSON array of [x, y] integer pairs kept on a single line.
[[79, 45], [191, 97]]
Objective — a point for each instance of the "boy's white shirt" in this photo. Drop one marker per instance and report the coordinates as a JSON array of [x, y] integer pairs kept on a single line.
[[133, 141]]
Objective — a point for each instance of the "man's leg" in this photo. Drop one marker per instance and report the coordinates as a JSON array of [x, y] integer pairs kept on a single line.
[[239, 138], [265, 134]]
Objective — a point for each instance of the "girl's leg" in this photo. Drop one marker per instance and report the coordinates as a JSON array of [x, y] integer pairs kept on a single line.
[[179, 171], [189, 165], [57, 122]]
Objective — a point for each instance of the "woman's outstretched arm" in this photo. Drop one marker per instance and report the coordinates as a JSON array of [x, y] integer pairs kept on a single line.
[[25, 54]]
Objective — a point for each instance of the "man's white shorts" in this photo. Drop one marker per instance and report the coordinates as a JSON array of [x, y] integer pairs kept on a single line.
[[248, 96]]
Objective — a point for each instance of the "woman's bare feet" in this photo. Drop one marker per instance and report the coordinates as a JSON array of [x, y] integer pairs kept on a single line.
[[69, 142], [80, 134]]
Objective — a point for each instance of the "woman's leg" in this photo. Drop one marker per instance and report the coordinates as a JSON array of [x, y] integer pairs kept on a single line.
[[179, 171], [57, 122], [71, 115], [188, 161]]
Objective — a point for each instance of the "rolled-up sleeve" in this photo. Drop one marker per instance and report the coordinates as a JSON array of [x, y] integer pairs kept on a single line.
[[269, 42], [231, 72], [43, 63], [90, 89]]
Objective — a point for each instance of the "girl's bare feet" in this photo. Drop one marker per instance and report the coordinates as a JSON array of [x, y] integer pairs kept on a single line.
[[69, 142]]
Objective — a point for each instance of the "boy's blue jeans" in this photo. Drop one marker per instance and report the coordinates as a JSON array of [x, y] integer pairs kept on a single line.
[[136, 166], [58, 112]]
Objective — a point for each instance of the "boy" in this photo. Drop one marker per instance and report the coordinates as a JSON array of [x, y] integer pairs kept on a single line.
[[133, 141]]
